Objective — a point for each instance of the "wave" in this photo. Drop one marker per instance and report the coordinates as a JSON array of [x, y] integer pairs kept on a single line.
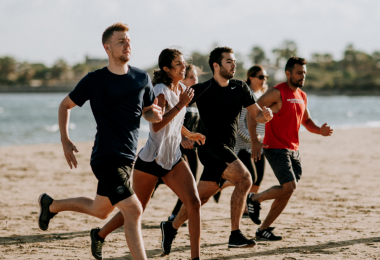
[[54, 128], [368, 124]]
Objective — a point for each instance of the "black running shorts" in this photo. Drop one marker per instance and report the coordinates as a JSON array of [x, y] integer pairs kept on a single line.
[[152, 167], [114, 178], [214, 159], [286, 164]]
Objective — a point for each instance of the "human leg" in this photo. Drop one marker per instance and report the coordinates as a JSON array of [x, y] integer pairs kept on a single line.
[[238, 175], [112, 176], [259, 167], [205, 190], [190, 156], [143, 185], [287, 168], [131, 210], [181, 181], [99, 207]]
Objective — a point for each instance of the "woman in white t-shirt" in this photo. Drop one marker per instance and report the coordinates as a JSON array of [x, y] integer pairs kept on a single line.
[[161, 155]]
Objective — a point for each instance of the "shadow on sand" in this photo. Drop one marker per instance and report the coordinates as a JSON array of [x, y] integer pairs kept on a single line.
[[309, 249]]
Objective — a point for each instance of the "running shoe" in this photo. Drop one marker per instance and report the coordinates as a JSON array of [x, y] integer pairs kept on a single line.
[[267, 235], [238, 240], [253, 209], [45, 215], [217, 196], [171, 217], [168, 236], [96, 244]]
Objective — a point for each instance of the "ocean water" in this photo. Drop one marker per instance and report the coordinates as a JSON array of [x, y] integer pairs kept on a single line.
[[33, 118]]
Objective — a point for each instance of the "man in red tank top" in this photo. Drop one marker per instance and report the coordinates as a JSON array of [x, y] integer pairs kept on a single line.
[[289, 105]]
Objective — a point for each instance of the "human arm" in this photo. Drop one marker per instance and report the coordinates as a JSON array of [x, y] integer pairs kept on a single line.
[[309, 124], [261, 116], [184, 98], [153, 113], [186, 143], [197, 137], [63, 121], [256, 145]]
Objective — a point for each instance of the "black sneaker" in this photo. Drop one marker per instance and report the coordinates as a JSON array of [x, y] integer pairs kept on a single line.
[[267, 235], [253, 209], [217, 196], [96, 244], [168, 236], [45, 215], [238, 240]]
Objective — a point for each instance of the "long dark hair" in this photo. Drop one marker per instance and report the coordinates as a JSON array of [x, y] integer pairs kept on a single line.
[[164, 60], [252, 72]]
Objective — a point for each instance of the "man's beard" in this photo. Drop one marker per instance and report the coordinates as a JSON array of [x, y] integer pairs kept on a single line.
[[297, 83], [225, 73], [123, 60]]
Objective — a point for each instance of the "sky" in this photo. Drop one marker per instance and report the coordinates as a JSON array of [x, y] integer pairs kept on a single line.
[[45, 30]]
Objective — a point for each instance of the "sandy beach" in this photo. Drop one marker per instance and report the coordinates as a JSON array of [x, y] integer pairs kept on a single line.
[[333, 214]]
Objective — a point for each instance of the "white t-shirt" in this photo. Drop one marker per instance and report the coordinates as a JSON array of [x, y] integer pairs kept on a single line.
[[164, 145]]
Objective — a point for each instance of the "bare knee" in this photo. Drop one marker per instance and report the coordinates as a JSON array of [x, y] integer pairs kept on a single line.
[[245, 181], [131, 209], [194, 204], [289, 188], [103, 214], [204, 200]]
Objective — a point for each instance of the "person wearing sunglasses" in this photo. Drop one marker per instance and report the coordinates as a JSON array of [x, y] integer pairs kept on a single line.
[[257, 81]]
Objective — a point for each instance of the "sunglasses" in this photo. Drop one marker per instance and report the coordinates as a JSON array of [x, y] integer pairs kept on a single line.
[[261, 77]]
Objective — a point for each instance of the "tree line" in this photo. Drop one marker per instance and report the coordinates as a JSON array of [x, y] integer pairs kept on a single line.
[[357, 70]]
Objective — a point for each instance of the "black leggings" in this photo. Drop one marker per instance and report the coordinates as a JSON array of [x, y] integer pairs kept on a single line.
[[256, 169], [191, 157]]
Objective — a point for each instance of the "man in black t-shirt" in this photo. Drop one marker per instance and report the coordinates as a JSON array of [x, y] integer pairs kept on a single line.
[[219, 101], [119, 95]]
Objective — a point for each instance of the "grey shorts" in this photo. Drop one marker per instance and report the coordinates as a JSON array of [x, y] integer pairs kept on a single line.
[[286, 164]]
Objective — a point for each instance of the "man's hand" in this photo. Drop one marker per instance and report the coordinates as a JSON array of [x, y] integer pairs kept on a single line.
[[68, 148], [267, 113], [187, 144], [256, 150], [199, 138], [326, 130]]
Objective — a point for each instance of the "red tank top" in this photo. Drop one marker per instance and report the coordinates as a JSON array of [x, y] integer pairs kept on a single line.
[[282, 131]]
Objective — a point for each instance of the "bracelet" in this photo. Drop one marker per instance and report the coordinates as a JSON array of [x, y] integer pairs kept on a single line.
[[177, 108]]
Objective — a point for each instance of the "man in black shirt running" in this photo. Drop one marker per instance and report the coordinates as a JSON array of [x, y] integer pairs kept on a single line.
[[119, 94], [219, 102]]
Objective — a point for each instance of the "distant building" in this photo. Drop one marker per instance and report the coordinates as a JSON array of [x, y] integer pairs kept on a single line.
[[96, 63]]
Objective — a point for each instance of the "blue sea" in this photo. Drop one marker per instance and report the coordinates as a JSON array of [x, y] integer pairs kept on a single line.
[[33, 118]]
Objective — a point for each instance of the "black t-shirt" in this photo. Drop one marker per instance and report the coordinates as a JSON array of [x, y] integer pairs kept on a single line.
[[219, 109], [117, 102]]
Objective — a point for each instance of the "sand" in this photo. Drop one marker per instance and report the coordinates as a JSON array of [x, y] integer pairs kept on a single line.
[[333, 214]]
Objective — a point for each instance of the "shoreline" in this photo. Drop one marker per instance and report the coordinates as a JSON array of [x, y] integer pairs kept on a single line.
[[374, 125], [68, 88]]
